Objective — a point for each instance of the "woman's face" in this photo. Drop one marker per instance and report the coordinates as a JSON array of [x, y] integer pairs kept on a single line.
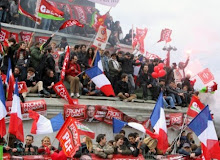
[[51, 74], [46, 142], [90, 51], [84, 140]]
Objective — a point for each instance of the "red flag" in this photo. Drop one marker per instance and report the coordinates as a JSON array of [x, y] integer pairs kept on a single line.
[[10, 81], [25, 36], [68, 136], [167, 60], [206, 76], [99, 22], [25, 13], [70, 23], [80, 13], [195, 107], [139, 38], [4, 34], [60, 89], [65, 64], [16, 125], [41, 39], [22, 87], [83, 130], [15, 36], [165, 35]]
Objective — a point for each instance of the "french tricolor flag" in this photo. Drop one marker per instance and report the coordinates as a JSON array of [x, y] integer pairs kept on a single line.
[[203, 126], [3, 111], [98, 61], [42, 125], [158, 122], [16, 125], [100, 80], [10, 81]]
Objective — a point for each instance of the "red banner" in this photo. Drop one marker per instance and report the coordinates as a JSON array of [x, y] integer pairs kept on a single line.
[[70, 23], [113, 113], [38, 105], [22, 87], [41, 39], [206, 76], [68, 136], [194, 107], [80, 13], [15, 36], [25, 36], [174, 120], [61, 90], [4, 35], [76, 111], [165, 35], [151, 56], [139, 38], [65, 64], [68, 8]]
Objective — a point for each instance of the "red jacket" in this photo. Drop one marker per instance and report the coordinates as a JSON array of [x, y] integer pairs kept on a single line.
[[75, 71]]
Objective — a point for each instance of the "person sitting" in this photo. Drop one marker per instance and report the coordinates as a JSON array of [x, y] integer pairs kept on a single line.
[[89, 88], [102, 149], [122, 89], [134, 146], [29, 149], [120, 147], [48, 82], [71, 76], [171, 91], [46, 146], [33, 84], [187, 151]]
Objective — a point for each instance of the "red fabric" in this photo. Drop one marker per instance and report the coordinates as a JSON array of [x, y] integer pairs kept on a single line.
[[61, 90], [165, 35], [139, 38], [10, 87], [15, 36], [4, 34], [83, 130], [108, 90], [80, 13], [65, 64], [2, 127], [3, 77], [212, 150], [25, 36], [58, 156], [70, 23], [68, 136], [35, 116], [167, 60], [50, 9], [194, 107], [16, 126], [99, 22], [75, 71]]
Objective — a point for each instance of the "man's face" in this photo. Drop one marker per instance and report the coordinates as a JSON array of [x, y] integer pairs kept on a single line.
[[120, 142], [83, 48], [30, 73], [91, 111], [131, 140], [29, 140], [187, 149], [104, 140], [16, 71], [23, 46], [145, 69]]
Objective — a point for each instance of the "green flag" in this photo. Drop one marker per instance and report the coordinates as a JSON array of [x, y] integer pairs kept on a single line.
[[46, 16], [1, 152]]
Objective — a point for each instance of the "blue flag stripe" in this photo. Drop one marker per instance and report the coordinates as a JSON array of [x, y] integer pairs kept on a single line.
[[118, 125], [155, 116], [2, 93], [93, 72], [200, 122], [57, 122]]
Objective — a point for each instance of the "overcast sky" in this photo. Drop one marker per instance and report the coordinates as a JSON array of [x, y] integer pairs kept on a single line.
[[195, 25]]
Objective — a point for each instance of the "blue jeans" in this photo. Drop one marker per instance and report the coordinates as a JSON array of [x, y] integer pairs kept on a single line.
[[3, 15], [176, 98], [131, 83], [170, 100]]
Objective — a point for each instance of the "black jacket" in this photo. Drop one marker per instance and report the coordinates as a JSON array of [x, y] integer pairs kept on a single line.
[[127, 65], [134, 149], [4, 4], [145, 78], [48, 80], [122, 87]]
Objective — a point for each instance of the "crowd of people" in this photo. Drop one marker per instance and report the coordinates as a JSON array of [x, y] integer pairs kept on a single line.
[[133, 145], [9, 14]]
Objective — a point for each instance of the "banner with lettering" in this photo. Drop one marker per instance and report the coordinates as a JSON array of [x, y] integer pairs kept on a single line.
[[25, 36], [65, 64], [38, 106], [80, 13], [102, 37], [41, 39], [174, 120], [61, 90], [69, 138], [165, 35], [4, 34], [22, 87]]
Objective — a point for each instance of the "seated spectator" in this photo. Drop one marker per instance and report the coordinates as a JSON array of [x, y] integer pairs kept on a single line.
[[89, 88], [46, 146], [171, 91], [134, 146], [120, 147], [33, 84], [29, 149], [128, 38], [147, 83], [114, 70], [102, 149], [14, 146], [186, 150], [122, 89], [151, 145], [71, 76], [166, 98], [48, 82], [17, 74], [87, 61], [86, 145]]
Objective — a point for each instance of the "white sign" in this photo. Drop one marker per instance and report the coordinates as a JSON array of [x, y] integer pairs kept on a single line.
[[101, 38]]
